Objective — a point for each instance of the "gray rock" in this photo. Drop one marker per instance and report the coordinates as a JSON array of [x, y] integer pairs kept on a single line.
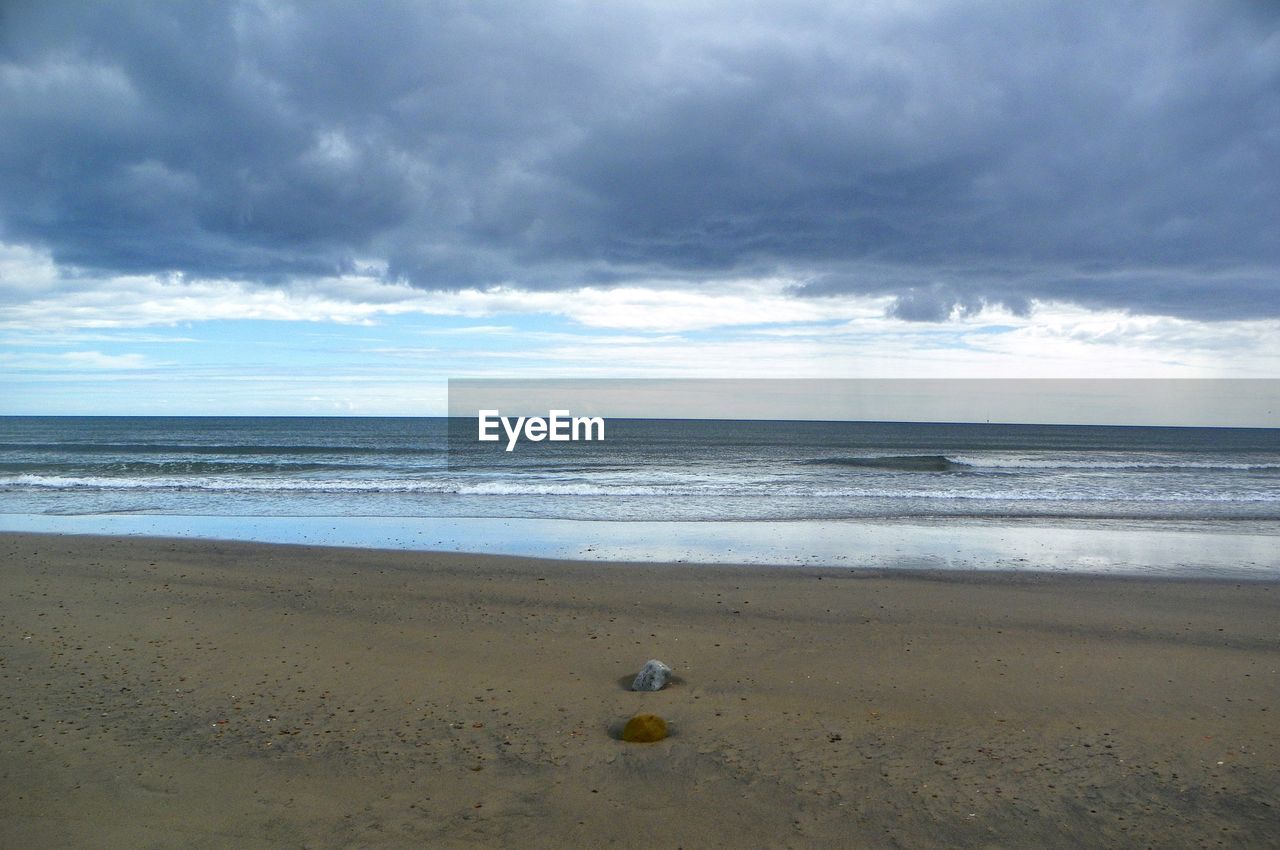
[[652, 677]]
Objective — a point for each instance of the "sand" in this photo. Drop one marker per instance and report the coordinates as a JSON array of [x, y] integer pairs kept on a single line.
[[180, 693]]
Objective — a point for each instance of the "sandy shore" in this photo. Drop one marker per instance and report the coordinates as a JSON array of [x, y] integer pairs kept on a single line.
[[179, 693]]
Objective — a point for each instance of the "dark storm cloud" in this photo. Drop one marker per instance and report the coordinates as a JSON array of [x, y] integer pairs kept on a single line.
[[954, 156]]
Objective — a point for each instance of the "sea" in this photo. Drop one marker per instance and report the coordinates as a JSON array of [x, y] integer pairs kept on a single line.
[[1204, 500]]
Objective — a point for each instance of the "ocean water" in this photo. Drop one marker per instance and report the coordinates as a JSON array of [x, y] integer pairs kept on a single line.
[[644, 471], [1150, 501]]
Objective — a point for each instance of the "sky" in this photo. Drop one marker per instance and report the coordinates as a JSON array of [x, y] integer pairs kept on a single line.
[[333, 207]]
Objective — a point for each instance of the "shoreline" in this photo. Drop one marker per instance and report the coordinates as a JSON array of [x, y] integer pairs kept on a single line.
[[182, 692], [717, 569], [1095, 548]]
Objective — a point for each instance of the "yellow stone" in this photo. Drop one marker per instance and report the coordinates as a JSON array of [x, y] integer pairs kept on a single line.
[[645, 729]]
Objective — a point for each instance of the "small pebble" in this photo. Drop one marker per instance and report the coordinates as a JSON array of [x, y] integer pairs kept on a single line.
[[652, 677]]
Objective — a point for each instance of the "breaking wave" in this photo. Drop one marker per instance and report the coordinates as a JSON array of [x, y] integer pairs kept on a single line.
[[905, 463]]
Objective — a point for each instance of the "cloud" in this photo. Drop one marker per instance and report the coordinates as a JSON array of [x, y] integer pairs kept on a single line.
[[73, 361], [134, 301], [939, 157], [79, 337]]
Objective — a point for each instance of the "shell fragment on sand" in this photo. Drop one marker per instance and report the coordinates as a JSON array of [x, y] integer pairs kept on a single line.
[[653, 676]]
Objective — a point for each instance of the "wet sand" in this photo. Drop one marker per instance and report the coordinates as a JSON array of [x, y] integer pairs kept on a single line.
[[181, 693]]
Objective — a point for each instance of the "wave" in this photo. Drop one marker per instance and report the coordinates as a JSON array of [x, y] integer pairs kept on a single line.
[[124, 469], [764, 490], [906, 463], [218, 449], [237, 484], [506, 488], [346, 485], [981, 463]]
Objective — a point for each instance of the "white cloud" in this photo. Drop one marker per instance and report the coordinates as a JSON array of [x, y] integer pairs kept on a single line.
[[736, 328], [473, 330], [78, 337], [40, 298], [75, 360], [25, 271]]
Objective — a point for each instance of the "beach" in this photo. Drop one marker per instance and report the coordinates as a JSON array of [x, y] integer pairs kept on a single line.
[[387, 390], [189, 693]]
